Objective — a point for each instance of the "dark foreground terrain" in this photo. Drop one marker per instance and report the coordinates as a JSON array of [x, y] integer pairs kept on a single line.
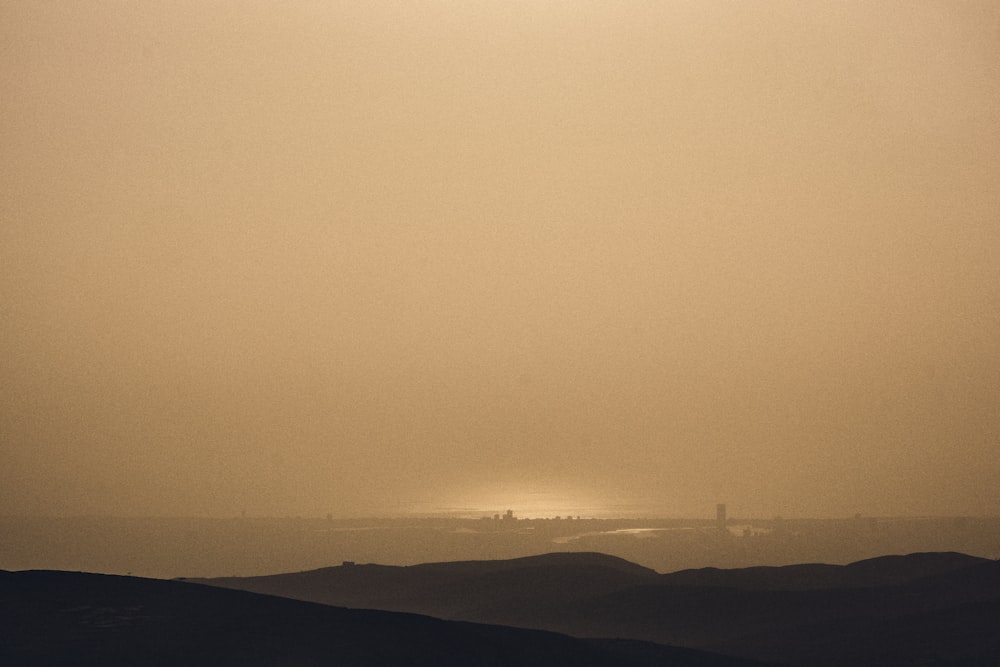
[[72, 618], [920, 609]]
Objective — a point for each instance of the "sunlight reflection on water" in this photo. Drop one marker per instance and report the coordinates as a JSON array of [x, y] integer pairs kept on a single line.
[[638, 533]]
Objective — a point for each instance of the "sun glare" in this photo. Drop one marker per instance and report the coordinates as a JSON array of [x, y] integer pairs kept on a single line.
[[527, 501]]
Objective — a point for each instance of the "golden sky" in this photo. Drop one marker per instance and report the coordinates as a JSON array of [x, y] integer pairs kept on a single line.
[[383, 257]]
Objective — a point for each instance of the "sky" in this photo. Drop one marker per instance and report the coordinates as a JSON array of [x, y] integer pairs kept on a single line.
[[596, 258]]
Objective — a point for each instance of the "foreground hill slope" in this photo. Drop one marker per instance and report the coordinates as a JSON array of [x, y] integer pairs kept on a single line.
[[72, 618], [456, 588], [883, 611]]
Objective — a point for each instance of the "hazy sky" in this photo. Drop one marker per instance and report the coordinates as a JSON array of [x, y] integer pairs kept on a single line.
[[380, 257]]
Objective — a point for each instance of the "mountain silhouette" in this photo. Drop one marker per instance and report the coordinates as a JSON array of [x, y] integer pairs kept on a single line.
[[72, 618], [880, 571], [454, 588], [881, 611]]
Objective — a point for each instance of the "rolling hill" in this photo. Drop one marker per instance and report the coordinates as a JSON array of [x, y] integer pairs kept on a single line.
[[73, 618], [883, 611]]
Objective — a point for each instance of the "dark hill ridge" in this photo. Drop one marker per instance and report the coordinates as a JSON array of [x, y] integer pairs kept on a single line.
[[445, 589], [881, 571], [779, 614], [555, 559], [720, 617], [72, 618]]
